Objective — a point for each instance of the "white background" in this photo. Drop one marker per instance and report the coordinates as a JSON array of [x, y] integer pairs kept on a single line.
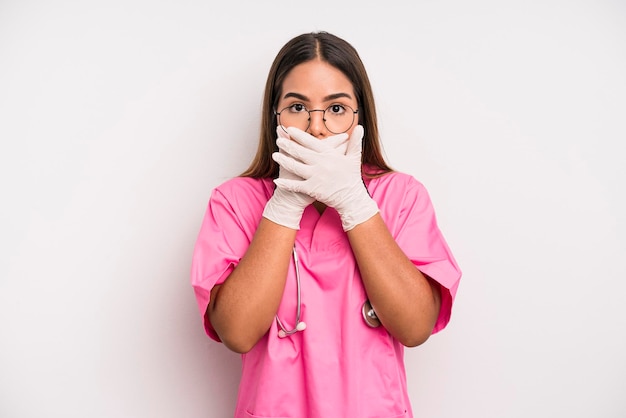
[[118, 117]]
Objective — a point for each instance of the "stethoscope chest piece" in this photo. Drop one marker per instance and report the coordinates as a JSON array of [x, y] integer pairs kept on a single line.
[[369, 315]]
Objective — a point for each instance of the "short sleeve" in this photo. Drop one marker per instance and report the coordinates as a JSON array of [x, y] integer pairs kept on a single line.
[[220, 245], [413, 223]]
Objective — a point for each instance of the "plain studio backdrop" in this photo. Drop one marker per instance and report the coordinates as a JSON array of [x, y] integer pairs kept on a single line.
[[117, 118]]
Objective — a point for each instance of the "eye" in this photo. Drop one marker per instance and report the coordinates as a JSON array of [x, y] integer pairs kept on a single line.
[[296, 108], [336, 109]]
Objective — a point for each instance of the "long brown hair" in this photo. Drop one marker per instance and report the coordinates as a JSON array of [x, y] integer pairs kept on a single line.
[[341, 55]]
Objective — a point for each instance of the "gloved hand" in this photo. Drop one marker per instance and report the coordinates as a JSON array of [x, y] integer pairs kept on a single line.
[[285, 207], [329, 177]]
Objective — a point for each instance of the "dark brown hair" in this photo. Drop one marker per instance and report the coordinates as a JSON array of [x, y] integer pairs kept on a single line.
[[341, 55]]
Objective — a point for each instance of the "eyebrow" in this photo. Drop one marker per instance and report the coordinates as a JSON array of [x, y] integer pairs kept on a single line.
[[326, 99]]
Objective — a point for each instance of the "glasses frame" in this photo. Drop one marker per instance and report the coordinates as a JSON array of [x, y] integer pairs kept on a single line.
[[354, 112]]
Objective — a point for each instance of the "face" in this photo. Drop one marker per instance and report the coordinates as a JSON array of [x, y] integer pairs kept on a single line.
[[316, 85]]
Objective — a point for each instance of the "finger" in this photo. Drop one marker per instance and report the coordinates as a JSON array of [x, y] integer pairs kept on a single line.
[[281, 133], [342, 148], [335, 142], [295, 150], [302, 137], [284, 173], [316, 144], [284, 152], [289, 184], [292, 165], [356, 141]]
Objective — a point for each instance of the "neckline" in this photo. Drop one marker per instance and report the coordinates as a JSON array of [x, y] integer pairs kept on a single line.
[[320, 207]]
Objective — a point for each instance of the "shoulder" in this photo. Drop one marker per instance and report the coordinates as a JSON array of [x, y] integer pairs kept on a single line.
[[242, 196], [394, 182], [245, 188], [241, 201], [398, 193]]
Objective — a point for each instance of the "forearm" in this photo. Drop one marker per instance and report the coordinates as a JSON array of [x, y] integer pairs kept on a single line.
[[405, 301], [243, 307]]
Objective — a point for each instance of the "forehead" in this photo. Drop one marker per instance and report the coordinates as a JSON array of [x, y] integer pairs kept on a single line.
[[316, 79]]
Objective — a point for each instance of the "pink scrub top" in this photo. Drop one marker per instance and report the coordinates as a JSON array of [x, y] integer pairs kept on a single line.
[[339, 366]]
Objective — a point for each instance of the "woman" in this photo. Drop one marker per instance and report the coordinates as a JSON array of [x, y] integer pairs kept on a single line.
[[320, 263]]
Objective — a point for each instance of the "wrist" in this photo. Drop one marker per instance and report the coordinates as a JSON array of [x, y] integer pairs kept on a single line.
[[359, 211], [285, 209]]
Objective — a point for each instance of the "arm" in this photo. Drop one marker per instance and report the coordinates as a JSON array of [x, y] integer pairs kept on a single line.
[[242, 309], [405, 300]]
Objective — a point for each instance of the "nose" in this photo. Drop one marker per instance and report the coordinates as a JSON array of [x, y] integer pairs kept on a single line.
[[317, 127]]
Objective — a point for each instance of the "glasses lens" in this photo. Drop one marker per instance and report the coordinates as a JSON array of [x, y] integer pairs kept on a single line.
[[338, 118], [295, 116]]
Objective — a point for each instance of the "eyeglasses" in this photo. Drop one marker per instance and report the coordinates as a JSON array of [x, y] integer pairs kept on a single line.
[[338, 118]]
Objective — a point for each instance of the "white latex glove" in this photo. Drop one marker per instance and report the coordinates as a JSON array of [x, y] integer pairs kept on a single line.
[[329, 177], [285, 207]]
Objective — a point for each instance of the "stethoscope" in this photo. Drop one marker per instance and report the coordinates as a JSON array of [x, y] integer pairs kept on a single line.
[[369, 315]]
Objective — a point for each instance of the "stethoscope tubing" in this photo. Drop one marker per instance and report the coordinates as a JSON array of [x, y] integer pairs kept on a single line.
[[369, 315], [283, 331]]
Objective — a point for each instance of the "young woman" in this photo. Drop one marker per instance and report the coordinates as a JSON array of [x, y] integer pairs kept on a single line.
[[320, 263]]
